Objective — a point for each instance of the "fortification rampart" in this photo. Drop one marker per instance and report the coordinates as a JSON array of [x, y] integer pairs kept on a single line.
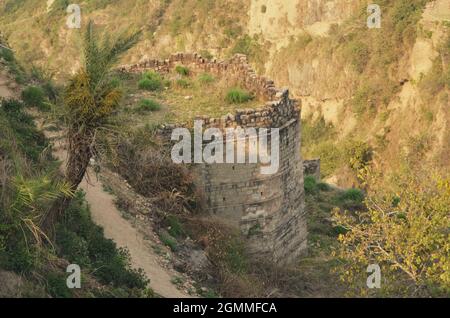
[[268, 209]]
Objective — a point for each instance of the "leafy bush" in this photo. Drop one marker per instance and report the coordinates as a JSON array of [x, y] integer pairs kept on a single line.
[[404, 229], [152, 75], [151, 81], [16, 255], [57, 287], [322, 186], [351, 196], [149, 85], [359, 154], [146, 105], [182, 70], [33, 96], [238, 96]]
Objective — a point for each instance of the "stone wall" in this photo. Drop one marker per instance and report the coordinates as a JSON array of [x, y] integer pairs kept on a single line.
[[236, 68], [268, 209]]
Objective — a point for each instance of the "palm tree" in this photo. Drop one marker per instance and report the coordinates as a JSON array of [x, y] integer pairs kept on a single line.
[[89, 100]]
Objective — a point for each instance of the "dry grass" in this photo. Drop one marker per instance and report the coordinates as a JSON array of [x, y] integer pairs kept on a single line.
[[182, 100]]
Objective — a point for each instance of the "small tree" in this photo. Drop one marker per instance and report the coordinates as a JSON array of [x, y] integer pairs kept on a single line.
[[89, 100], [405, 230]]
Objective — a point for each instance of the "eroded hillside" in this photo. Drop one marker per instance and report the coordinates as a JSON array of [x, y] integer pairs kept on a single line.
[[383, 92]]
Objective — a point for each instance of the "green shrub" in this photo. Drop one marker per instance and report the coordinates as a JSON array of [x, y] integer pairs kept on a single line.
[[30, 141], [169, 241], [351, 195], [205, 78], [7, 55], [33, 96], [149, 85], [57, 286], [82, 242], [146, 105], [151, 81], [310, 185], [238, 96], [152, 75], [182, 70], [358, 154], [175, 228], [16, 255], [322, 186], [74, 246], [14, 68]]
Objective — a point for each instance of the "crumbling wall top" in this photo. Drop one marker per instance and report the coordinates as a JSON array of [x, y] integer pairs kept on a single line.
[[277, 108]]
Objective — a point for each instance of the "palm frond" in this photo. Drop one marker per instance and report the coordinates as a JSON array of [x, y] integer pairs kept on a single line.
[[100, 57]]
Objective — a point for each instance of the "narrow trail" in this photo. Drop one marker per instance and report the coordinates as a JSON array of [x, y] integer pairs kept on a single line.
[[105, 214]]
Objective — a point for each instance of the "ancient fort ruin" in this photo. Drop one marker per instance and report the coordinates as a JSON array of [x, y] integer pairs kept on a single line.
[[268, 209]]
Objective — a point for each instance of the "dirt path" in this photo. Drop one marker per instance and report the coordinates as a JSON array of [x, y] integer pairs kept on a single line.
[[105, 214]]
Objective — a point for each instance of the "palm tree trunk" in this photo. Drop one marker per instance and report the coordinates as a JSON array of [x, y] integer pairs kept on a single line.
[[79, 155]]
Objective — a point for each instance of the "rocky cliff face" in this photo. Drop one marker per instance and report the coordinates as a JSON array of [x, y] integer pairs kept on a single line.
[[278, 20]]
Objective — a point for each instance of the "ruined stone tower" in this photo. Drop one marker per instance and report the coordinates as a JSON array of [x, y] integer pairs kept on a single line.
[[268, 209]]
